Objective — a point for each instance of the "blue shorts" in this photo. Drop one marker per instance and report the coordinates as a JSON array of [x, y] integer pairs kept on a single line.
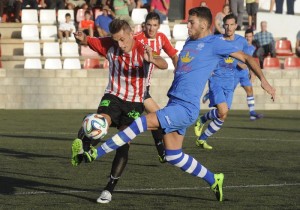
[[242, 76], [177, 116], [220, 91]]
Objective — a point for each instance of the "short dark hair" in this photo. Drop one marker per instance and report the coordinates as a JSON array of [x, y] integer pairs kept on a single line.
[[152, 16], [248, 31], [230, 16], [87, 12], [202, 12], [68, 15], [117, 25]]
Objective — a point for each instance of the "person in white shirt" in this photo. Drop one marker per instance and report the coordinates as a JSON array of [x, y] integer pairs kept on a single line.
[[65, 29]]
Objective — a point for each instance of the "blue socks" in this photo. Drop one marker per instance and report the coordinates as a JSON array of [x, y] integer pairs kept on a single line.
[[123, 137]]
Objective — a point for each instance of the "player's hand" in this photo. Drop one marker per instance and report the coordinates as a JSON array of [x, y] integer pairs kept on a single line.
[[267, 87], [148, 55]]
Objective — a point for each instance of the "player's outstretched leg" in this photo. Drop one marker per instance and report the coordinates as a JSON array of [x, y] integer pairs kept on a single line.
[[190, 165]]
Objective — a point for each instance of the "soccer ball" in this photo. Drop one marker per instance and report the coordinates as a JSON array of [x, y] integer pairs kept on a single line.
[[94, 126]]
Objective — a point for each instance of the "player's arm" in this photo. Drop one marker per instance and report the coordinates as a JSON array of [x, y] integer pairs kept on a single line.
[[175, 60], [250, 61], [156, 60]]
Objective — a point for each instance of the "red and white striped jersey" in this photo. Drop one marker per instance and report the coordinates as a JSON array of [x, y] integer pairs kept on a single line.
[[127, 71], [161, 42]]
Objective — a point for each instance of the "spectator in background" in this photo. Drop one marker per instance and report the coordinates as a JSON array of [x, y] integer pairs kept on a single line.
[[65, 29], [29, 4], [87, 25], [237, 8], [75, 3], [203, 4], [219, 29], [252, 8], [145, 4], [297, 48], [12, 6], [161, 7], [102, 21], [122, 11], [289, 5], [265, 43], [53, 4], [272, 3]]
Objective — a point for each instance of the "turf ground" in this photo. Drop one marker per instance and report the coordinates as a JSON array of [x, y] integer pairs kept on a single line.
[[260, 160]]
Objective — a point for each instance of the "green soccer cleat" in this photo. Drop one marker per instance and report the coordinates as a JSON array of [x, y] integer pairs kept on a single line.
[[77, 150], [217, 187], [203, 144], [91, 155], [162, 158], [198, 127]]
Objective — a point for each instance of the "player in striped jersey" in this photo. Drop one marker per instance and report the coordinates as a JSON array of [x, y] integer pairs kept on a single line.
[[158, 42], [122, 102]]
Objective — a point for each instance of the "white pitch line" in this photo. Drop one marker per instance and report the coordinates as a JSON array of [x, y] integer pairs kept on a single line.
[[160, 189]]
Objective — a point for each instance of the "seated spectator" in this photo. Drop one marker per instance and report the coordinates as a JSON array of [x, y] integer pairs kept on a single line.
[[12, 6], [75, 3], [66, 29], [29, 4], [87, 25], [102, 21], [145, 4], [252, 8], [219, 29], [265, 43], [298, 44], [161, 7]]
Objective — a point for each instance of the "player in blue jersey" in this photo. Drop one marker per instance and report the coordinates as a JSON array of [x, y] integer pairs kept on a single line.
[[198, 58], [242, 76], [221, 86]]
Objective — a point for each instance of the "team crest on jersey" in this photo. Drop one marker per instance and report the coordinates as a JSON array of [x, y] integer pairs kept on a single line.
[[200, 46], [187, 58], [229, 60]]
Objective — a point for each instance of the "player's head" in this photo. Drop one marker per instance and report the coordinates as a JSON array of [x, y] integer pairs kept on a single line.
[[152, 24], [230, 24], [122, 33], [200, 20], [249, 35]]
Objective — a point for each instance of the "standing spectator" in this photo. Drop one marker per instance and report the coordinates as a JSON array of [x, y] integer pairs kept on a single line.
[[297, 48], [65, 29], [102, 21], [55, 4], [13, 6], [219, 29], [289, 5], [265, 43], [122, 10], [87, 25], [252, 8], [161, 7], [30, 4], [237, 8]]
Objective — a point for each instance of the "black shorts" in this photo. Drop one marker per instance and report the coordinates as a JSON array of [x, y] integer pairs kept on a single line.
[[121, 112], [252, 8], [147, 93]]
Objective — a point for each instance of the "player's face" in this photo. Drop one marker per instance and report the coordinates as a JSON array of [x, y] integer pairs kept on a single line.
[[151, 28], [194, 27], [124, 39], [230, 26], [249, 37]]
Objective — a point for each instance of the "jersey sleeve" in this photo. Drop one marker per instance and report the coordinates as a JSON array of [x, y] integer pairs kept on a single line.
[[167, 46], [224, 48], [100, 45]]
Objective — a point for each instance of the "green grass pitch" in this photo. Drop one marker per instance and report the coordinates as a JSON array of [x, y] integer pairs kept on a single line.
[[260, 160]]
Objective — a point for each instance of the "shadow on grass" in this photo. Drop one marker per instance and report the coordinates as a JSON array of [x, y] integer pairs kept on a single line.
[[35, 137], [25, 155]]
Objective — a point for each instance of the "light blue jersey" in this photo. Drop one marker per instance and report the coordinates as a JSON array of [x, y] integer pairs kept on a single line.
[[197, 60], [242, 75], [221, 83]]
